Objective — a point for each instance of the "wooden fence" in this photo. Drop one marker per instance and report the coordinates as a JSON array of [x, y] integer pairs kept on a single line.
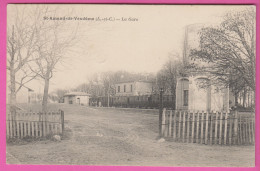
[[209, 127], [29, 124]]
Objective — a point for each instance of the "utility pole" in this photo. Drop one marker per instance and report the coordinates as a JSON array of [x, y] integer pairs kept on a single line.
[[160, 111], [108, 93]]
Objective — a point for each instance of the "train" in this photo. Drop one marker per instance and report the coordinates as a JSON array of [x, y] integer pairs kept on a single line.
[[142, 101]]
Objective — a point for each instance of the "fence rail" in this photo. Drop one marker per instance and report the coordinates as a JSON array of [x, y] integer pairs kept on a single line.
[[221, 128], [29, 124]]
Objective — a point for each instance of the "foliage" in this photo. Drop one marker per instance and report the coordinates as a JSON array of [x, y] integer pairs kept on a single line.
[[229, 50]]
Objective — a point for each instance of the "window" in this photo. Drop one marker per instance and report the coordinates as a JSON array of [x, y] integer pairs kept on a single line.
[[124, 88], [118, 89], [131, 88], [186, 97]]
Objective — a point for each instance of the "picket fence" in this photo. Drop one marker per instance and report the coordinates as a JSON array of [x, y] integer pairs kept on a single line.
[[29, 124], [221, 128]]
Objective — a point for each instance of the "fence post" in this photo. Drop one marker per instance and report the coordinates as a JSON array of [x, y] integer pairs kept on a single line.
[[18, 124], [225, 130], [216, 129], [170, 124], [188, 127], [29, 124], [166, 124], [47, 121], [253, 128], [246, 130], [240, 130], [230, 129], [202, 129], [179, 130], [193, 125], [62, 121], [25, 125], [183, 127], [235, 128], [163, 122], [206, 131], [174, 125], [220, 128], [250, 130], [197, 129], [7, 126], [11, 126], [160, 112], [211, 127]]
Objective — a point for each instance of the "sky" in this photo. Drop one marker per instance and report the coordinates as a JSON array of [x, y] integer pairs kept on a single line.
[[134, 46]]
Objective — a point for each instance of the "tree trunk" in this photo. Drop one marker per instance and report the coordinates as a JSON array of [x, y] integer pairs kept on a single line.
[[236, 99], [12, 96], [46, 90], [12, 80], [244, 97], [174, 98]]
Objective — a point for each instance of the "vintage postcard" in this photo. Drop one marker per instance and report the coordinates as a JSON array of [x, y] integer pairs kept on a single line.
[[131, 85]]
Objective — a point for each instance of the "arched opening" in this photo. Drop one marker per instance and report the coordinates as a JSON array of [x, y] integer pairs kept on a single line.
[[182, 94]]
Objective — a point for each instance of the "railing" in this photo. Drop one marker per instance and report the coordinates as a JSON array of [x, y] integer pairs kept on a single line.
[[221, 128]]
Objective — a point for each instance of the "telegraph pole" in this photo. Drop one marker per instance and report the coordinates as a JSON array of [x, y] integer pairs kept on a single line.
[[160, 111]]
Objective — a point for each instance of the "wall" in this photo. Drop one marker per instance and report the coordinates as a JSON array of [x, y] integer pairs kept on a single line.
[[84, 100], [203, 99], [128, 91], [143, 88], [138, 88]]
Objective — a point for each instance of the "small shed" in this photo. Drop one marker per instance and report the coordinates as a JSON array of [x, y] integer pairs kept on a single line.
[[80, 98]]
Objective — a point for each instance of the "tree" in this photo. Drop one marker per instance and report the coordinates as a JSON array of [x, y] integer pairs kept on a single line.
[[54, 39], [60, 93], [167, 76], [109, 80], [21, 40], [229, 50]]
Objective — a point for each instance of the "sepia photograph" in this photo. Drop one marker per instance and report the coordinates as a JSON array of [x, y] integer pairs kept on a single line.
[[131, 85]]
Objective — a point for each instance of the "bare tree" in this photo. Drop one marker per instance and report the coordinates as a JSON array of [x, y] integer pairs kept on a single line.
[[230, 51], [21, 40], [54, 39], [109, 80], [60, 94], [167, 76]]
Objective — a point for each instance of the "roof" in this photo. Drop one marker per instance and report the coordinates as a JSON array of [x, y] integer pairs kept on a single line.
[[77, 94]]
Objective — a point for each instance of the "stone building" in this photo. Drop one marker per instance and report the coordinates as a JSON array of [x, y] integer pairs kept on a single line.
[[190, 92], [79, 98]]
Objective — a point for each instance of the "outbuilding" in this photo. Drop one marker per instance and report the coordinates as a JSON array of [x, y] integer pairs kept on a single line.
[[80, 98]]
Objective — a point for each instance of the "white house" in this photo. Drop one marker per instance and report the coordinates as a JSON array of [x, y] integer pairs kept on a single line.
[[190, 94], [80, 98], [134, 88]]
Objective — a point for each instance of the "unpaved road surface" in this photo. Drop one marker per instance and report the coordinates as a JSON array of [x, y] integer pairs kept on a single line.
[[109, 136]]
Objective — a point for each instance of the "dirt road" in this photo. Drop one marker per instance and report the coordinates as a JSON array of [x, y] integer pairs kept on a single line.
[[102, 136]]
